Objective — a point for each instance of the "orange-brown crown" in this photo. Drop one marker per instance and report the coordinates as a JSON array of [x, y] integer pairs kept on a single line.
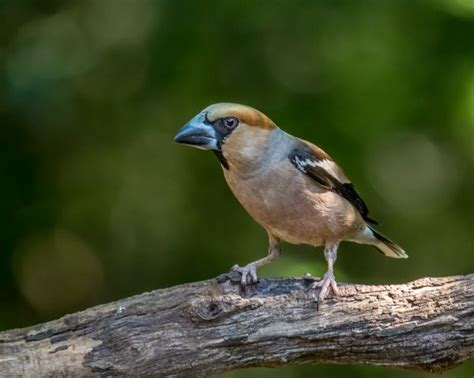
[[245, 114]]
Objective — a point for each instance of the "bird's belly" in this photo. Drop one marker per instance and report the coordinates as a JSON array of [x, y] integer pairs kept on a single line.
[[312, 221], [297, 211]]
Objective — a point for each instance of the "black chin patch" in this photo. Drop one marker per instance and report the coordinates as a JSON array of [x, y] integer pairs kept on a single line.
[[221, 158]]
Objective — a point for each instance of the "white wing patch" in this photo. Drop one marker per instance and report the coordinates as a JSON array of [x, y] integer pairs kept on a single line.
[[303, 163], [328, 165]]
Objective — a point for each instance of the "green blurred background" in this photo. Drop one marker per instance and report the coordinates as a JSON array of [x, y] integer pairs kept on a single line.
[[97, 203]]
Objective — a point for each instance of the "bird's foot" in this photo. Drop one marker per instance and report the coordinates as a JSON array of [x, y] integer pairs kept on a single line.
[[328, 281], [248, 273]]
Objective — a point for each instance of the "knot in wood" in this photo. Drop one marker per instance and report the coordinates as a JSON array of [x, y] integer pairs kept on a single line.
[[206, 309]]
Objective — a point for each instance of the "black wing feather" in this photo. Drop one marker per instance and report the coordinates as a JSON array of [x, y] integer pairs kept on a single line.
[[326, 180]]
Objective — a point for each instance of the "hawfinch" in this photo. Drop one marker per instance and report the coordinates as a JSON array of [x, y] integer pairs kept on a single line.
[[291, 187]]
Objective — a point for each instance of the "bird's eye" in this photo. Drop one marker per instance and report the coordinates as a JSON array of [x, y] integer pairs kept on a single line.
[[231, 122]]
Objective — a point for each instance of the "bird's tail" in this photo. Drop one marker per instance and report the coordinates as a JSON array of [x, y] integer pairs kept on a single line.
[[383, 244]]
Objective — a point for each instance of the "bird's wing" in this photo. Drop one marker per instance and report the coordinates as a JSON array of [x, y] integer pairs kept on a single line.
[[318, 165]]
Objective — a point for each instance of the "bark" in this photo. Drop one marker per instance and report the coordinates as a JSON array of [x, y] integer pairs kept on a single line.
[[215, 326]]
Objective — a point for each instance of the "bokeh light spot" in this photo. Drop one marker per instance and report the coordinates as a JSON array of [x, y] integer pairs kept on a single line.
[[122, 23], [415, 176], [462, 8], [58, 273], [464, 127], [43, 50]]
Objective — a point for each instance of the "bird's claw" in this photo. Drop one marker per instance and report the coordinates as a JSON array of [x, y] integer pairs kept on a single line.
[[248, 274], [328, 281]]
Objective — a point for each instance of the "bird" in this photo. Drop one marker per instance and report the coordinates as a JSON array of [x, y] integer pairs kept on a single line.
[[289, 186]]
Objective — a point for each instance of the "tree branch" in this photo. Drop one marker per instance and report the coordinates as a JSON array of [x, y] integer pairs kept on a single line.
[[213, 326]]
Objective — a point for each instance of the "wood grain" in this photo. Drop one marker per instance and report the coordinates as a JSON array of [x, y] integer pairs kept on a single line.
[[214, 326]]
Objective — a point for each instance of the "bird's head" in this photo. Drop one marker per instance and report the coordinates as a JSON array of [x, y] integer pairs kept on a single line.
[[236, 133]]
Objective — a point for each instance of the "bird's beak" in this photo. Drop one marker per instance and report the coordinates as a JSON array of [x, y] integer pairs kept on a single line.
[[197, 133]]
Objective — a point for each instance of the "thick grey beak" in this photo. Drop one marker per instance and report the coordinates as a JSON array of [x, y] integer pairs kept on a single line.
[[197, 134]]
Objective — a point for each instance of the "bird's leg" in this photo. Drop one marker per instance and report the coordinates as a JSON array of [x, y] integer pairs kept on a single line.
[[249, 272], [328, 280]]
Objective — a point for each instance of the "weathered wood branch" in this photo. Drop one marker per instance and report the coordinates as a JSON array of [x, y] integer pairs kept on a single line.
[[214, 326]]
